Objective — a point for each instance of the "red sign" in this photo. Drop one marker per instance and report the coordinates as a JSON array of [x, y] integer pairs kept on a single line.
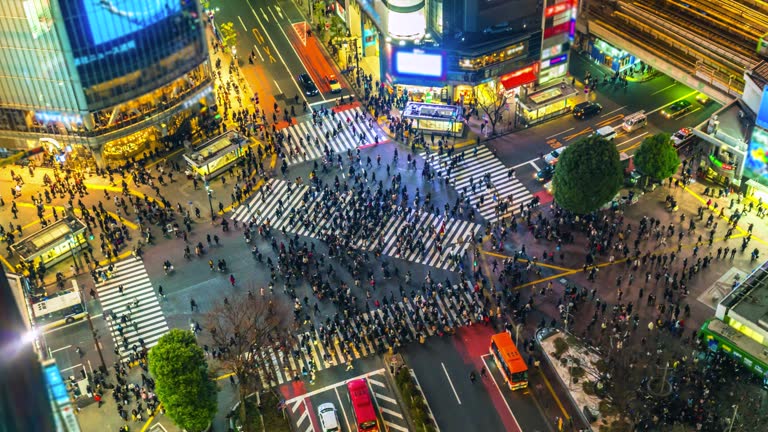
[[556, 9], [519, 77], [558, 29]]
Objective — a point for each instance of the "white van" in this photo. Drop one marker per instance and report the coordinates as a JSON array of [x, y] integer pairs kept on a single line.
[[634, 121], [607, 132]]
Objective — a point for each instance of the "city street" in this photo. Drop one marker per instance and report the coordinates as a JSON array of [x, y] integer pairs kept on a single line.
[[398, 247]]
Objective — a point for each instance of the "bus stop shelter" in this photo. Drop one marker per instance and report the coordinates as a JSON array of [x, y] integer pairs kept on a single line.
[[53, 243], [213, 157], [435, 118]]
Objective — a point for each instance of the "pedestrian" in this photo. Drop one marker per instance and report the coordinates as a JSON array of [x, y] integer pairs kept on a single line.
[[193, 305], [232, 279], [472, 377]]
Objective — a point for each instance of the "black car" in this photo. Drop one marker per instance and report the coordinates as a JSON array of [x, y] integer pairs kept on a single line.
[[586, 110], [545, 173], [676, 109], [310, 89]]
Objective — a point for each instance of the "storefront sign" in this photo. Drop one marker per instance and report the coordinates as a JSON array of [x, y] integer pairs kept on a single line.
[[557, 9], [719, 164], [519, 77]]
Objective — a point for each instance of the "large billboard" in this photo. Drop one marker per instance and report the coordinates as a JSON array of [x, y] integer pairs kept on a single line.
[[113, 19], [762, 114], [756, 164], [419, 63]]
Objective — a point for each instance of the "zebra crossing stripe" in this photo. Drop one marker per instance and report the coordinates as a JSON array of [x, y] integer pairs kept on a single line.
[[348, 138], [312, 349], [147, 321], [466, 172]]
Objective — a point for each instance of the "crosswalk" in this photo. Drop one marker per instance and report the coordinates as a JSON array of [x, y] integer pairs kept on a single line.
[[313, 140], [509, 191], [144, 318], [453, 235], [312, 353]]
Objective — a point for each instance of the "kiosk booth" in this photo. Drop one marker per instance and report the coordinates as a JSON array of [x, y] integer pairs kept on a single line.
[[52, 244], [434, 118], [215, 156]]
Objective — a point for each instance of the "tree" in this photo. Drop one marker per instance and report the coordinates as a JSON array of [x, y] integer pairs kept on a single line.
[[246, 325], [492, 102], [588, 175], [182, 381], [657, 157]]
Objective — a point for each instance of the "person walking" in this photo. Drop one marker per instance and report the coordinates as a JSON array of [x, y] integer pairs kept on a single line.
[[232, 279]]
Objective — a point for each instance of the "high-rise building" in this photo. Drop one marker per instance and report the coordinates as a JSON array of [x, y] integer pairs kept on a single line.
[[465, 51], [104, 77]]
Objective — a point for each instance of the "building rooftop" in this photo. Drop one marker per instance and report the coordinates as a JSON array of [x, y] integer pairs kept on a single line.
[[33, 244], [735, 126], [432, 111], [748, 302], [759, 74]]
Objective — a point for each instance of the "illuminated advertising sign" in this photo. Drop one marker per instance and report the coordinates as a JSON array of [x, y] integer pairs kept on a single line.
[[113, 19], [558, 29], [419, 63], [554, 61], [756, 164], [557, 9], [762, 114]]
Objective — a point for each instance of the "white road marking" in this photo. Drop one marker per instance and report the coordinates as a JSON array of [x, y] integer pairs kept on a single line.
[[609, 113], [294, 50], [259, 52], [71, 367], [377, 383], [242, 23], [61, 349], [390, 412], [499, 389], [670, 103], [525, 163], [451, 383], [264, 14], [386, 398], [559, 133], [282, 60], [665, 88], [343, 411], [304, 416], [631, 139], [534, 165], [395, 426], [328, 387], [278, 86], [296, 405]]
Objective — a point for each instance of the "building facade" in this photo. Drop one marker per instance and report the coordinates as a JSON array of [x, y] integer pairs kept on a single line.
[[449, 51], [103, 78]]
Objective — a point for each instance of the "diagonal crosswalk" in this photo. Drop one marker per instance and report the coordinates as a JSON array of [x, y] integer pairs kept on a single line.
[[282, 204], [308, 141], [501, 196], [144, 319], [359, 338]]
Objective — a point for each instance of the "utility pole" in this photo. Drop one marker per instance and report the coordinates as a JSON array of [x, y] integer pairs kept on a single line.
[[96, 342]]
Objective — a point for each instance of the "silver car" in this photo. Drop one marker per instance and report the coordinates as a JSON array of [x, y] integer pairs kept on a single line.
[[329, 420]]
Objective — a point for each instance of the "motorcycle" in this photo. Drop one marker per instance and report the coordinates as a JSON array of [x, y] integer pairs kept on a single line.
[[168, 267]]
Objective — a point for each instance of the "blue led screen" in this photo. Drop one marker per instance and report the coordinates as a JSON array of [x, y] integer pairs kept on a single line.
[[112, 19]]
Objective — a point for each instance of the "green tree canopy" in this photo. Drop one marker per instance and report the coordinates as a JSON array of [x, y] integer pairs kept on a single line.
[[657, 157], [182, 381], [588, 175]]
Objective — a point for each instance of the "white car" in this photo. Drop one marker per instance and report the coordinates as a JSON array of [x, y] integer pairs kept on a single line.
[[329, 420], [681, 136], [552, 157]]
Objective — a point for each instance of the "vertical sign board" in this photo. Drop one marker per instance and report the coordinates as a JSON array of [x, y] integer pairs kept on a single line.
[[63, 412]]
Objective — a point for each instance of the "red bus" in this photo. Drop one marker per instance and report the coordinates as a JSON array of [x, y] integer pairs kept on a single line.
[[362, 406], [510, 363]]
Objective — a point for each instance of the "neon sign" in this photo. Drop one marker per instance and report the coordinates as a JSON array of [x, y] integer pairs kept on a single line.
[[557, 9]]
